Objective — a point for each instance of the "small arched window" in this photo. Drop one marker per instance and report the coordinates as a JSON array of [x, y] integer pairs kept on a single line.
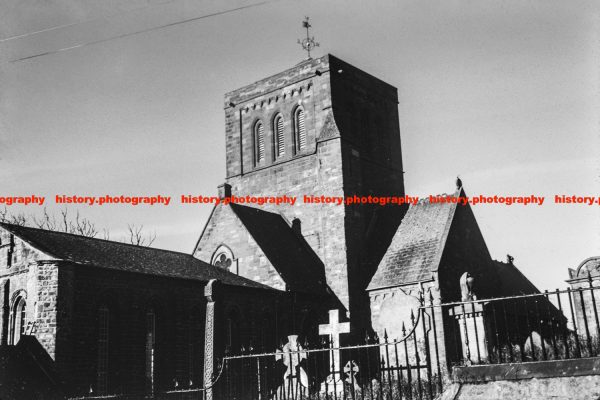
[[299, 130], [17, 324], [103, 343], [150, 349], [279, 136], [195, 346], [259, 143], [223, 258], [11, 251]]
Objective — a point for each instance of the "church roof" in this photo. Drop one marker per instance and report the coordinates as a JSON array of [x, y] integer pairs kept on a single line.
[[124, 257], [416, 248], [288, 252], [513, 281]]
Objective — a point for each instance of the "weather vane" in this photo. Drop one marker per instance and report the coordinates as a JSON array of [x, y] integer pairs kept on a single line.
[[309, 42]]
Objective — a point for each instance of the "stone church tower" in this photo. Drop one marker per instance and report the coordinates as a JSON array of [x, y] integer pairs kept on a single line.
[[322, 127]]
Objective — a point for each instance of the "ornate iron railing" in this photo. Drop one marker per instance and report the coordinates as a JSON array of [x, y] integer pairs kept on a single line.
[[552, 325], [379, 368]]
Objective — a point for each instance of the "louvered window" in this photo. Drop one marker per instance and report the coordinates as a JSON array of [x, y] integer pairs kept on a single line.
[[259, 143], [279, 138], [299, 130]]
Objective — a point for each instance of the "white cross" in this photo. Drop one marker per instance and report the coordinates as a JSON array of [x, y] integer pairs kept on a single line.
[[334, 329]]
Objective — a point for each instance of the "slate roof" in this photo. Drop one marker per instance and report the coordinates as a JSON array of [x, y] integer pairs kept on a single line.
[[288, 252], [416, 248], [124, 257], [513, 281]]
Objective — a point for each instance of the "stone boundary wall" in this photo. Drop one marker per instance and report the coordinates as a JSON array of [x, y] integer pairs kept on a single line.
[[558, 379], [518, 371]]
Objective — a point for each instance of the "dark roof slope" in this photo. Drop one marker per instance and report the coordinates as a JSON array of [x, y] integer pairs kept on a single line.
[[417, 246], [124, 257], [513, 281], [296, 262]]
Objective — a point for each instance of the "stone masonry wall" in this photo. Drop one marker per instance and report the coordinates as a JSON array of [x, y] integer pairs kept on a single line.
[[317, 170], [249, 260], [366, 112], [33, 276], [353, 148], [179, 306], [390, 309], [128, 298], [46, 308]]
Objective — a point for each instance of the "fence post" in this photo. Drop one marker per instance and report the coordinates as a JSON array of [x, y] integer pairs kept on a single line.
[[209, 338]]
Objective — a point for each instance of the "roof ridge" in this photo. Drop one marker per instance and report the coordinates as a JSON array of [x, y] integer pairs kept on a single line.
[[9, 225], [126, 257], [425, 199]]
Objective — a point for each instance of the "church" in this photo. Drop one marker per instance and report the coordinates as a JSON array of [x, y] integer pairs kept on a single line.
[[110, 318]]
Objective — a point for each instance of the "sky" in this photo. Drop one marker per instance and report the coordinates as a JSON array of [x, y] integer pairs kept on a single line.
[[503, 93]]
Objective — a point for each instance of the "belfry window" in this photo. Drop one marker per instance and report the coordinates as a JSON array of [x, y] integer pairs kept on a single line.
[[299, 130], [103, 345], [279, 136], [259, 143]]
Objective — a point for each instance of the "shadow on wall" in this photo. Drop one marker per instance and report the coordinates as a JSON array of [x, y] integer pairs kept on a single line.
[[27, 372]]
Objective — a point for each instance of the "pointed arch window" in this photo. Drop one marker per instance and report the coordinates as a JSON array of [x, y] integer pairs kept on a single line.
[[299, 130], [223, 258], [279, 136], [10, 251], [195, 346], [5, 331], [17, 324], [103, 346], [259, 143]]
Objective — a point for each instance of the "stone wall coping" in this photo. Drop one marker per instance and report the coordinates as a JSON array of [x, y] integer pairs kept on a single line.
[[527, 370]]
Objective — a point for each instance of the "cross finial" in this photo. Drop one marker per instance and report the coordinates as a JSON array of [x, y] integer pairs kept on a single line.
[[307, 43]]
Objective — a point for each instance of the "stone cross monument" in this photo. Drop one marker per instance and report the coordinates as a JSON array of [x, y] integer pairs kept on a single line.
[[334, 329]]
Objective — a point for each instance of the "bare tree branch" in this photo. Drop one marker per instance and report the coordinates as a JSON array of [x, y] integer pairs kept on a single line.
[[82, 226], [18, 219], [46, 221], [138, 238], [65, 223], [78, 225]]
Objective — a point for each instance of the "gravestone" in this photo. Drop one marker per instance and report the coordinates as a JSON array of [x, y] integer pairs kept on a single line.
[[334, 382], [538, 342], [396, 311], [295, 380]]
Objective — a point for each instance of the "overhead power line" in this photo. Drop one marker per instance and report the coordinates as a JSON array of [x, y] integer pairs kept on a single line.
[[54, 28], [84, 44]]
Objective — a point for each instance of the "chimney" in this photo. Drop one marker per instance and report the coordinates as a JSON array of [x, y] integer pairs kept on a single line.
[[224, 190], [297, 226]]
